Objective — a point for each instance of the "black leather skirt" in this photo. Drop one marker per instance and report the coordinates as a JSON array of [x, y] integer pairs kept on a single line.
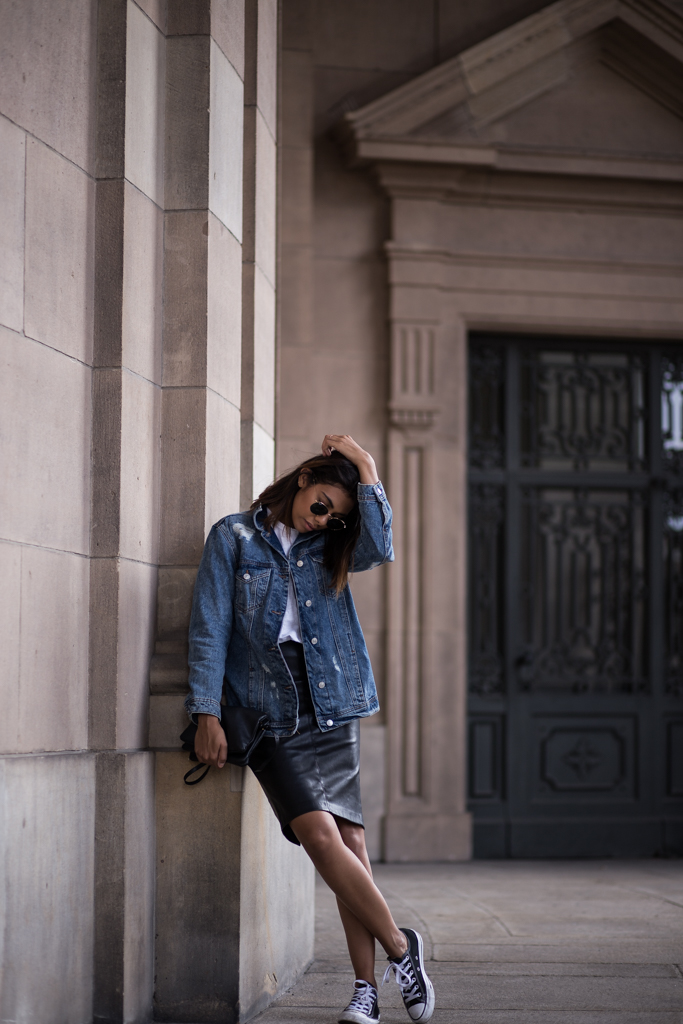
[[312, 770]]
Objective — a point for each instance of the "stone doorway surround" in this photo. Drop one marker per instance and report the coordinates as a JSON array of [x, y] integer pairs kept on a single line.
[[535, 186]]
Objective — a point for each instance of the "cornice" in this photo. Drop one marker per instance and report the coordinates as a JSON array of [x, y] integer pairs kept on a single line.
[[528, 161], [401, 252], [483, 186], [641, 40]]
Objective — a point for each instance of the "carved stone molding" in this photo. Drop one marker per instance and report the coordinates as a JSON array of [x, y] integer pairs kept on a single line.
[[413, 404], [413, 410], [502, 72], [439, 117], [408, 654], [406, 418], [425, 819]]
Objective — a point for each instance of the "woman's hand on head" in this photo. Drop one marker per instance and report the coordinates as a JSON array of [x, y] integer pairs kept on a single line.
[[363, 461], [210, 744]]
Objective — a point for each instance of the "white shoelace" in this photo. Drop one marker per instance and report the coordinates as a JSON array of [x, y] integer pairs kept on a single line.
[[405, 978], [363, 998]]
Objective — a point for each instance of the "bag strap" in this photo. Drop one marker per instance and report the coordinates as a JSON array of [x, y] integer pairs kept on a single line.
[[197, 767]]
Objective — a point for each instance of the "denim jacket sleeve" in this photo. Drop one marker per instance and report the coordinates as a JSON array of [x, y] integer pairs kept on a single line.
[[375, 544], [211, 623]]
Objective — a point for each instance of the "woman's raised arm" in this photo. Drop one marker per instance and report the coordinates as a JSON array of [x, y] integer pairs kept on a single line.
[[362, 460]]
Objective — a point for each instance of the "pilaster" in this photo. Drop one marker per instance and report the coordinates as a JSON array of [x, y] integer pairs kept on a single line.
[[124, 503], [295, 228], [426, 819], [224, 871]]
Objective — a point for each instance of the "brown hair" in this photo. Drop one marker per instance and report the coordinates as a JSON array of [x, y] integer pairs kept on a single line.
[[279, 496]]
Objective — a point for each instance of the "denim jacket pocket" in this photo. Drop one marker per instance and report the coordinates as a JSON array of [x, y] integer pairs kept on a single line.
[[251, 587]]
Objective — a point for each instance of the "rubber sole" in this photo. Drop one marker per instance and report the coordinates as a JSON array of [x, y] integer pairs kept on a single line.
[[353, 1017]]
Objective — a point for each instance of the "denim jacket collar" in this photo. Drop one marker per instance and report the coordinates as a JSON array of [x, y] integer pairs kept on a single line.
[[271, 538]]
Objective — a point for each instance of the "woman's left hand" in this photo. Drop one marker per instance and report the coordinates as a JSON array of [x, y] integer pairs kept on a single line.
[[363, 461]]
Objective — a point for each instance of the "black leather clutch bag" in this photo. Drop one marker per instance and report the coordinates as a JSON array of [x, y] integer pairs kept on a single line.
[[245, 731]]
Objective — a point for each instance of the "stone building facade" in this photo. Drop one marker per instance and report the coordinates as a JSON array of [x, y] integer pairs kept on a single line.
[[432, 188], [470, 191]]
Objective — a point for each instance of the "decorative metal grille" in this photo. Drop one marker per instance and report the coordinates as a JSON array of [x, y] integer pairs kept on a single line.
[[486, 589], [583, 411], [575, 596], [583, 576], [673, 592], [576, 540], [487, 446]]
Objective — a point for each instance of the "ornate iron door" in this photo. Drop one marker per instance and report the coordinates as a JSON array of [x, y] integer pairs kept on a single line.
[[576, 597]]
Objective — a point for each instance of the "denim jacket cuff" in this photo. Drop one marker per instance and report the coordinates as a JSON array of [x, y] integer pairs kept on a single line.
[[202, 706], [368, 492]]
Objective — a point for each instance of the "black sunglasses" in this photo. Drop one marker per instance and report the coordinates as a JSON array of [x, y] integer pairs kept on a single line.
[[334, 522]]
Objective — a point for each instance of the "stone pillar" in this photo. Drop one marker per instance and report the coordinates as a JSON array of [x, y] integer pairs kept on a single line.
[[197, 921], [426, 818], [259, 249], [125, 497], [296, 333], [202, 307], [234, 911]]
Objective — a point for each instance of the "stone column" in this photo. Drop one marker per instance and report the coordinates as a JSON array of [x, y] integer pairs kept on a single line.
[[296, 334], [197, 830], [234, 916], [125, 497], [259, 249], [426, 818]]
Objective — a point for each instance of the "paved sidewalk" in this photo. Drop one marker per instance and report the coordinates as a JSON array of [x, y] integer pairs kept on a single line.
[[519, 942]]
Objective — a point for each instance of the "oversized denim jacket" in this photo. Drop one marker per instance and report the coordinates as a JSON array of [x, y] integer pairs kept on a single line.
[[239, 599]]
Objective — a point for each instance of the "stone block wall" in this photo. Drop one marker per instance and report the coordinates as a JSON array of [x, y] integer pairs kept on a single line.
[[47, 289], [138, 146]]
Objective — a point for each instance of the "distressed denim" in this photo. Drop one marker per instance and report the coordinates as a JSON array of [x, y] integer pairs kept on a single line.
[[239, 599]]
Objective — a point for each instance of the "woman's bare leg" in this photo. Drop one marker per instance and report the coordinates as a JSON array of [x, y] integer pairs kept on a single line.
[[349, 879], [360, 941]]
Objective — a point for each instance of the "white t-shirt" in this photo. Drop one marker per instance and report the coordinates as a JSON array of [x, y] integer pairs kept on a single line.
[[290, 628]]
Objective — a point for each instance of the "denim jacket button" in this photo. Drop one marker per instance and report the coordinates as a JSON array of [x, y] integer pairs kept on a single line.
[[247, 576], [321, 685], [314, 640], [299, 563], [308, 604], [329, 722]]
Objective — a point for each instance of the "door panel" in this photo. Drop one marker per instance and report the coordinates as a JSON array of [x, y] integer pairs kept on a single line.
[[576, 597], [583, 590]]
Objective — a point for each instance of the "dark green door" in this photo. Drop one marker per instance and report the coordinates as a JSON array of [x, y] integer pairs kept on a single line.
[[575, 597]]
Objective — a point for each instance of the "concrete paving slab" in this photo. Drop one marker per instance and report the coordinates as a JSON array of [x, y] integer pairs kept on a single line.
[[576, 970], [313, 1015], [557, 952], [467, 992], [518, 943]]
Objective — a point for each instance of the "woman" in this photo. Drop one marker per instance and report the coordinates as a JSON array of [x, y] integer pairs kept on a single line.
[[274, 627]]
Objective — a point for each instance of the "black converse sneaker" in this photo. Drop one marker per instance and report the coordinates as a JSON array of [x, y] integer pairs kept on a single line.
[[409, 971], [363, 1008]]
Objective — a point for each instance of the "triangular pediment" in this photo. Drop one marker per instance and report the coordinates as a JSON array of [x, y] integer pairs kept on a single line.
[[593, 78]]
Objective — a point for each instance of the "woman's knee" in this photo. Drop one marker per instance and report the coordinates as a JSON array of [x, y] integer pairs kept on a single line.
[[317, 832], [353, 836]]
